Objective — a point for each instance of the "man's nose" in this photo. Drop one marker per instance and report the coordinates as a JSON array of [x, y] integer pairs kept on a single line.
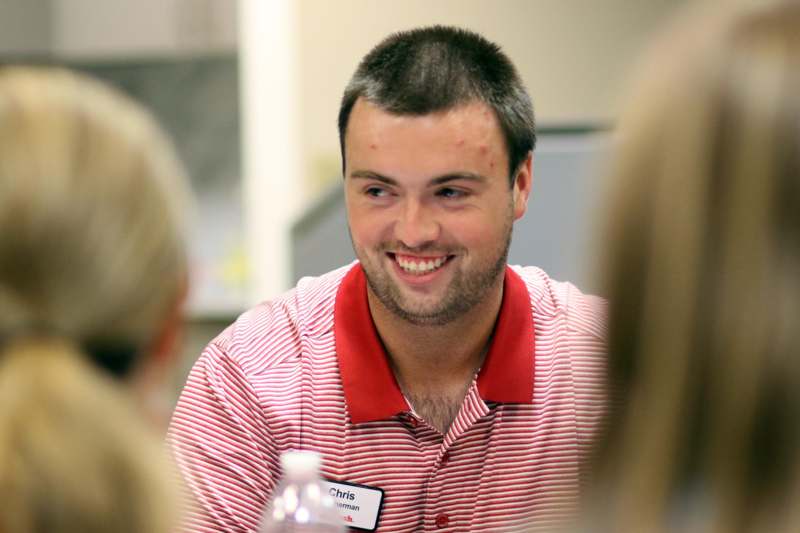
[[416, 225]]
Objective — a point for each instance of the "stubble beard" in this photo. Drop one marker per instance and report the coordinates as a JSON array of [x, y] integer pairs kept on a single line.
[[465, 291]]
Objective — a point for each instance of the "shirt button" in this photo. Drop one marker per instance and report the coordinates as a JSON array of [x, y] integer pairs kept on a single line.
[[442, 521], [445, 458]]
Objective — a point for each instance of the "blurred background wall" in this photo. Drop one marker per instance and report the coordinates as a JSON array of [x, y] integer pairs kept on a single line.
[[250, 92]]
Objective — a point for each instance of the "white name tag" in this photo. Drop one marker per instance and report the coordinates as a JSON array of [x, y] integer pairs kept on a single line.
[[359, 505]]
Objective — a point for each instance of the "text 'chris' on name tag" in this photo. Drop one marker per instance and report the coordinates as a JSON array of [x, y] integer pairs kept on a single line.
[[359, 505]]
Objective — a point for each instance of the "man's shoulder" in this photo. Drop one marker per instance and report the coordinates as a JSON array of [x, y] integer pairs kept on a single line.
[[277, 326], [550, 298]]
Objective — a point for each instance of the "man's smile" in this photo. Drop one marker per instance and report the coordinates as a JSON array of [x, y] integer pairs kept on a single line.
[[419, 265]]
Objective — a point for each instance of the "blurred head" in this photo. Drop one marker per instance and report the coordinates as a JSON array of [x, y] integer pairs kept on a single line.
[[92, 277], [90, 199], [704, 282], [438, 68]]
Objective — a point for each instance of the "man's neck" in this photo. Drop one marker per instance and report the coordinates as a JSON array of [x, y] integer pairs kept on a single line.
[[435, 364]]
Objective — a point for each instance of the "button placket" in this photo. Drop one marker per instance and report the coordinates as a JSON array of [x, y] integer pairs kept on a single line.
[[445, 459], [439, 517], [429, 442]]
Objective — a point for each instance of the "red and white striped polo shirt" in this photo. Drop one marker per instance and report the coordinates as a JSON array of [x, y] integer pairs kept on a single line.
[[307, 371]]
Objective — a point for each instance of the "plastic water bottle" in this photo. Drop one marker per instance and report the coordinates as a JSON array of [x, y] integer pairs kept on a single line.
[[300, 504]]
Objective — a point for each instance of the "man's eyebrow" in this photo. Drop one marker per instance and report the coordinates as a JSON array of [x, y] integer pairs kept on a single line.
[[439, 180], [468, 176], [369, 175]]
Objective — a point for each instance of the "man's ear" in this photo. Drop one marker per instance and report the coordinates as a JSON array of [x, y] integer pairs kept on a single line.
[[522, 186]]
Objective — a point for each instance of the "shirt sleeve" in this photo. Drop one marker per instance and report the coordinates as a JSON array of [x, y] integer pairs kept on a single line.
[[221, 447], [587, 317]]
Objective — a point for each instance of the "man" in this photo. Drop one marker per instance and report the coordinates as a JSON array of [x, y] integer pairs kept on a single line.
[[446, 389]]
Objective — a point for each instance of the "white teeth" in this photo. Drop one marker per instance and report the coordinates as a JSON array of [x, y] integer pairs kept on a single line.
[[423, 267]]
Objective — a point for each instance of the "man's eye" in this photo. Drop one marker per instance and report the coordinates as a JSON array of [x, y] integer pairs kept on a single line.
[[376, 192], [450, 193]]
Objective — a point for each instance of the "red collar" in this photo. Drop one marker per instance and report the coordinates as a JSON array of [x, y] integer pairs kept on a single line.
[[369, 384]]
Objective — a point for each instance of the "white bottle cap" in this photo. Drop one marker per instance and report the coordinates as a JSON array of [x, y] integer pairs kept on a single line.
[[301, 464]]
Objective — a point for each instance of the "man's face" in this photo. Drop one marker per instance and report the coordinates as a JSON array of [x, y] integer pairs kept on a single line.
[[430, 208]]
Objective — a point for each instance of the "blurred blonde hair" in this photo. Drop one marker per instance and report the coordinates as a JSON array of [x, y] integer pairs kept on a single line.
[[703, 277], [92, 254]]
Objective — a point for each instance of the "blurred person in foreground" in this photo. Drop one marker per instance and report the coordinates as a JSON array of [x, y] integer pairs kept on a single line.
[[92, 280], [704, 284]]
